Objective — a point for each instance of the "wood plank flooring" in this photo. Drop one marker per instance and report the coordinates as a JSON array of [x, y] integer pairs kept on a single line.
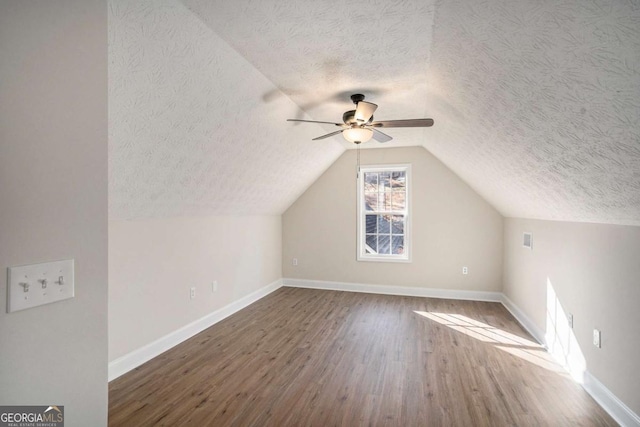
[[302, 357]]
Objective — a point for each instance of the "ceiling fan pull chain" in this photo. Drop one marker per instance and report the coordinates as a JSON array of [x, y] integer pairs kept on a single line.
[[358, 161]]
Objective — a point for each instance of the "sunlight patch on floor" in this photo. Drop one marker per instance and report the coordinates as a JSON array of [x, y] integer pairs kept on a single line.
[[513, 344]]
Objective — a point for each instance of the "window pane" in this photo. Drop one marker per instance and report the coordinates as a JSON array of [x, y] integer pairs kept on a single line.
[[398, 200], [370, 182], [385, 181], [384, 246], [398, 245], [372, 222], [397, 224], [371, 201], [398, 179], [383, 224], [387, 200], [372, 244]]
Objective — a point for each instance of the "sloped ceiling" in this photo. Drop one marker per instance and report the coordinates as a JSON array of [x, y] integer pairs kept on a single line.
[[536, 104], [195, 129]]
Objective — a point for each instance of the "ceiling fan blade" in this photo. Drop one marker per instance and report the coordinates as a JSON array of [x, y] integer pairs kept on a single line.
[[364, 111], [314, 121], [327, 135], [380, 136], [411, 123]]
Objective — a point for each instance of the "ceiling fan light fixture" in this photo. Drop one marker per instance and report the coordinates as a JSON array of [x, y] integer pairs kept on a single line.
[[357, 134]]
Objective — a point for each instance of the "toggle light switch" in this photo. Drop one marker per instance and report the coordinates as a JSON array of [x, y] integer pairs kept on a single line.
[[21, 295]]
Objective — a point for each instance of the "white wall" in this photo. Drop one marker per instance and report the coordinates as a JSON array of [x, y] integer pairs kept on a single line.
[[154, 263], [53, 201], [452, 227], [594, 272]]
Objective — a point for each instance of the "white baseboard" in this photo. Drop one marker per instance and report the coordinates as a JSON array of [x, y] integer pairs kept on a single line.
[[395, 290], [132, 360], [523, 319], [614, 406]]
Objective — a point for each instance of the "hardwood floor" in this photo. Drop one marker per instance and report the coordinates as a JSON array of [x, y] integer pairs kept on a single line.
[[302, 357]]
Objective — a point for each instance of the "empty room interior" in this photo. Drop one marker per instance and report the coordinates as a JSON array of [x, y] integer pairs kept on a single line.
[[407, 213]]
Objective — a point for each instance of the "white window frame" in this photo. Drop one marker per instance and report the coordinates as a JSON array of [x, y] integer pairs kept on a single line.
[[362, 254]]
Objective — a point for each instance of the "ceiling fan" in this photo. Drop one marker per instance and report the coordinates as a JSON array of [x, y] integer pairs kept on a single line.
[[359, 127]]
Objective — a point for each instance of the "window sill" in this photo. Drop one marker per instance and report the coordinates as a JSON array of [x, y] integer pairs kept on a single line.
[[384, 259]]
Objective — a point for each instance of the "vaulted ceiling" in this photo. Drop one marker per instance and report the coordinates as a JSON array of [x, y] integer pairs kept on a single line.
[[536, 104]]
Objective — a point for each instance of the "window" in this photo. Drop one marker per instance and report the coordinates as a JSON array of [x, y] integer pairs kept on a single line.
[[383, 213]]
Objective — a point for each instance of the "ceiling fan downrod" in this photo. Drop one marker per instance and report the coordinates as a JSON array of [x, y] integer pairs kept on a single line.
[[357, 97]]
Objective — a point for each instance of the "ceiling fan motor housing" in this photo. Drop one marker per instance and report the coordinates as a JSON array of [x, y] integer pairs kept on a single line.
[[349, 117]]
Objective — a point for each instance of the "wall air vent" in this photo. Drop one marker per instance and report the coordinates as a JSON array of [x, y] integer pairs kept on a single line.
[[527, 240]]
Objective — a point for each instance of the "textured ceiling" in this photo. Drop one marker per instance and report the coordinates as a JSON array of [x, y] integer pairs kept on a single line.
[[536, 104], [320, 52], [190, 130]]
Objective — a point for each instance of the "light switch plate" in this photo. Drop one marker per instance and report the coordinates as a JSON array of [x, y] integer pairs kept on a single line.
[[38, 284]]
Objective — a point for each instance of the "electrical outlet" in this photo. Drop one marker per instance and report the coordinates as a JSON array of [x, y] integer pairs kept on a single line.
[[570, 320], [295, 262], [597, 338], [193, 293], [214, 286], [465, 270]]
